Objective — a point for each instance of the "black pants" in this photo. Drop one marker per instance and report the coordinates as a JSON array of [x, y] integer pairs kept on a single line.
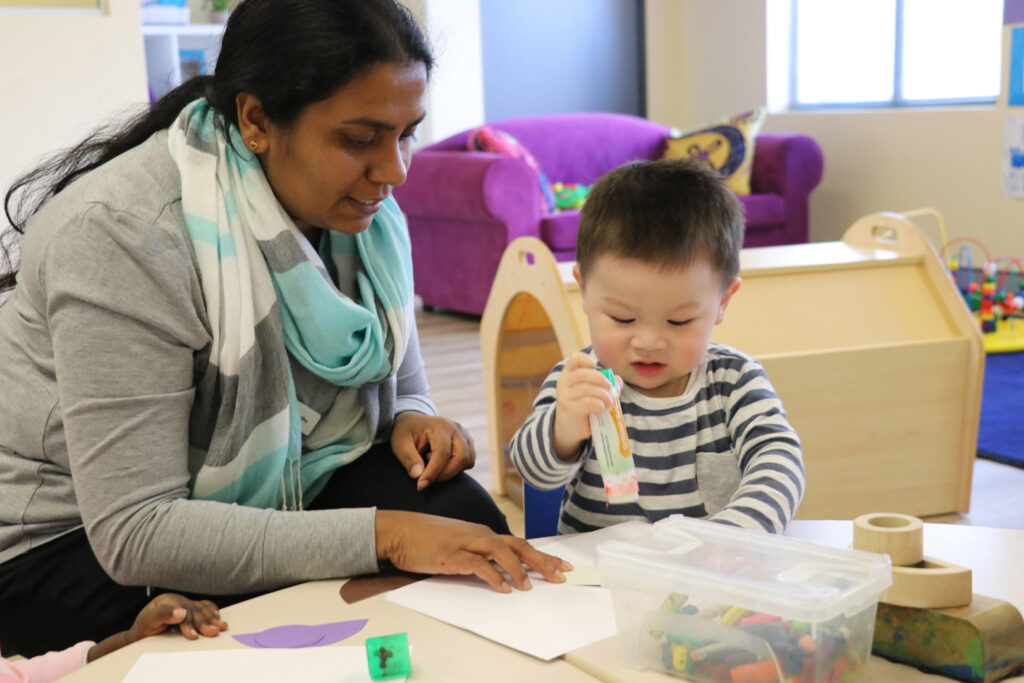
[[58, 594]]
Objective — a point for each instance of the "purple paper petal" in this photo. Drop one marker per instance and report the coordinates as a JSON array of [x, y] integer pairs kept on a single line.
[[295, 635], [299, 635], [340, 630], [246, 639]]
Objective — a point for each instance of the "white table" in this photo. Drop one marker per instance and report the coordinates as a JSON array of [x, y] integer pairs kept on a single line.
[[446, 653], [441, 652]]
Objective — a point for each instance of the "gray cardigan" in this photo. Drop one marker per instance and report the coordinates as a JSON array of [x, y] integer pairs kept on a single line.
[[99, 349]]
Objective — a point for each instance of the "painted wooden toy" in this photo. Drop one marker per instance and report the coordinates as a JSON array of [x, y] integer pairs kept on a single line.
[[930, 618], [981, 642]]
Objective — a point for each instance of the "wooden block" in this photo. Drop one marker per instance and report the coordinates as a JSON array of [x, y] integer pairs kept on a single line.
[[980, 643], [932, 584], [917, 581], [901, 537]]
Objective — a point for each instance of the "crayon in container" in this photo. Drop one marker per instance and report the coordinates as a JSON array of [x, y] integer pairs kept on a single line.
[[611, 448], [717, 604]]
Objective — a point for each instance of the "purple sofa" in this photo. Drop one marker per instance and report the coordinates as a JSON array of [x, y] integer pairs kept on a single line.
[[464, 207]]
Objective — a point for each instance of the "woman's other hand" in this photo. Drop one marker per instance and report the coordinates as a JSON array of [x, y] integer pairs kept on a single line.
[[427, 544], [431, 448]]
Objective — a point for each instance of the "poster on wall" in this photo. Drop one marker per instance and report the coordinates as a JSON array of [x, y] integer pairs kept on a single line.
[[1015, 90], [1013, 155], [1013, 12]]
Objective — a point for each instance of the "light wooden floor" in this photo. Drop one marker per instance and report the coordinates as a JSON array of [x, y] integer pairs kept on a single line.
[[451, 353]]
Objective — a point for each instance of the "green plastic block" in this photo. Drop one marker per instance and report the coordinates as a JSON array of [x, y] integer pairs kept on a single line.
[[388, 656]]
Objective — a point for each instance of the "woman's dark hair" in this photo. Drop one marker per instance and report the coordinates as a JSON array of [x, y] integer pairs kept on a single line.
[[288, 53]]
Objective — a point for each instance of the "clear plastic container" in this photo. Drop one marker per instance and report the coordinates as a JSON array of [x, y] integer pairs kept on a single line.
[[710, 602]]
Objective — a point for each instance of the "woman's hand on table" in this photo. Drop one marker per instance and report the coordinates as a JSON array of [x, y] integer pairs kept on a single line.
[[428, 544], [445, 444]]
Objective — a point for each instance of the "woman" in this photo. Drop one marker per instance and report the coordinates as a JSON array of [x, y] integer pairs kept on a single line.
[[211, 349]]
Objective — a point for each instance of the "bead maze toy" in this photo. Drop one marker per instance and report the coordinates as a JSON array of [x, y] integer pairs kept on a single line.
[[991, 286], [929, 617], [867, 341]]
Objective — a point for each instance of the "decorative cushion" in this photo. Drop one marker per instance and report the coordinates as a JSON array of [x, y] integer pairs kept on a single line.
[[486, 139], [727, 146]]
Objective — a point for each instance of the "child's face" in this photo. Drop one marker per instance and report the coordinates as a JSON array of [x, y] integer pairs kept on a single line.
[[652, 326]]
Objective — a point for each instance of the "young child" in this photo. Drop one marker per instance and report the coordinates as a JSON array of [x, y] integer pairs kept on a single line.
[[657, 264], [166, 610]]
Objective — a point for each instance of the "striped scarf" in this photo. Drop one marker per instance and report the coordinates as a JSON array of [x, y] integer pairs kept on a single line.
[[263, 284]]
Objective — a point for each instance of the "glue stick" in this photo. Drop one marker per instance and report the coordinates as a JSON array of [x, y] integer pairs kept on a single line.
[[611, 446]]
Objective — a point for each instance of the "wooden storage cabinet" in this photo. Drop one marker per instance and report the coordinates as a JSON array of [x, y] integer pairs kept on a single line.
[[876, 359]]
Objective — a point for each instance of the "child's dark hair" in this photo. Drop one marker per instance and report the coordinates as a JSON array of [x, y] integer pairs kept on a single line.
[[668, 212]]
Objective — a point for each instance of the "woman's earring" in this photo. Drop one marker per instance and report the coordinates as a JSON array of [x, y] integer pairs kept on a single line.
[[252, 144]]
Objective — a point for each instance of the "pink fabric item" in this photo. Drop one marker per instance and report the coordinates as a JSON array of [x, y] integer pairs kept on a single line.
[[45, 668], [486, 139]]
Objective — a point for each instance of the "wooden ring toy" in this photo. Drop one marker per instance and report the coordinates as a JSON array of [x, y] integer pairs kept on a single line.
[[901, 537], [934, 585]]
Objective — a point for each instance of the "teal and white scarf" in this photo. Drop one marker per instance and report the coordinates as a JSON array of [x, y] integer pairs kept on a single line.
[[268, 294]]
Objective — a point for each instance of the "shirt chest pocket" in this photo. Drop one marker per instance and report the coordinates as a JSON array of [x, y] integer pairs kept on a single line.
[[718, 477]]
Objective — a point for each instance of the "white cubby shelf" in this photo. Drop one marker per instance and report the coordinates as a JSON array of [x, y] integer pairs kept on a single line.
[[165, 45]]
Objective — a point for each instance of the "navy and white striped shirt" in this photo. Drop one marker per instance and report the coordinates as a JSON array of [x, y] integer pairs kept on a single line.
[[723, 450]]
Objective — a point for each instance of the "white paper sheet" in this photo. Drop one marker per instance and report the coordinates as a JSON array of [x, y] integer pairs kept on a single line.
[[581, 549], [546, 622], [309, 665], [583, 575]]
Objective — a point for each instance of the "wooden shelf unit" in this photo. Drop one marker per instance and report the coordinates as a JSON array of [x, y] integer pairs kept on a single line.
[[164, 44]]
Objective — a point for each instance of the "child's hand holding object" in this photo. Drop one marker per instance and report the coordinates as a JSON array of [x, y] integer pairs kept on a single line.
[[582, 390]]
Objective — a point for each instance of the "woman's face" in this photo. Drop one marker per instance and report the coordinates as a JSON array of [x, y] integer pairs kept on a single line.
[[340, 159]]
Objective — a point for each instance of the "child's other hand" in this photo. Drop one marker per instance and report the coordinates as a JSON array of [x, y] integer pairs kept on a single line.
[[170, 609], [581, 391]]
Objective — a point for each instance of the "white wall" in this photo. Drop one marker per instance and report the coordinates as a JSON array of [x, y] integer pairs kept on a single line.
[[707, 59], [455, 99], [62, 75], [696, 54]]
